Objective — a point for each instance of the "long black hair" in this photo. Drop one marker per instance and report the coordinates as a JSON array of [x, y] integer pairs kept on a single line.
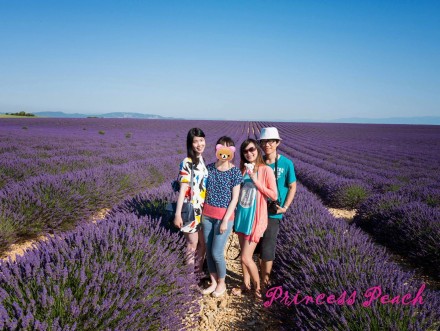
[[194, 132]]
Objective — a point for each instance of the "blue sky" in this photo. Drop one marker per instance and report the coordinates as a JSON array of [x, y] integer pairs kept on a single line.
[[291, 60]]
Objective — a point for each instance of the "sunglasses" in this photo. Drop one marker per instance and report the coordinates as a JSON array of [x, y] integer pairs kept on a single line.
[[269, 141], [249, 150]]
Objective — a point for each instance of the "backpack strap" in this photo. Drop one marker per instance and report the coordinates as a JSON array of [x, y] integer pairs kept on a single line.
[[191, 181]]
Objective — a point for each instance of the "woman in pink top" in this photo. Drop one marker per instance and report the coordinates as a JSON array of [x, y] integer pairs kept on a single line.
[[251, 216]]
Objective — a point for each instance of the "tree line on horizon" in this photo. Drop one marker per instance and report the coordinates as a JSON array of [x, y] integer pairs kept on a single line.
[[21, 113]]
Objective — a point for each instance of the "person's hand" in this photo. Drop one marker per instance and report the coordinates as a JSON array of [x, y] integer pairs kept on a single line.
[[281, 210], [253, 176], [223, 226], [178, 222]]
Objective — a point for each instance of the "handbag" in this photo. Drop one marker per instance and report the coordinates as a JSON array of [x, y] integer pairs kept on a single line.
[[188, 215]]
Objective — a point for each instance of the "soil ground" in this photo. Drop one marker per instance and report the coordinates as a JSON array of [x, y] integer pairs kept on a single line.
[[343, 213], [231, 312]]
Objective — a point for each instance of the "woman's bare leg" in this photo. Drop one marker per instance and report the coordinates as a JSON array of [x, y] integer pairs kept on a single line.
[[246, 271], [191, 246], [200, 252]]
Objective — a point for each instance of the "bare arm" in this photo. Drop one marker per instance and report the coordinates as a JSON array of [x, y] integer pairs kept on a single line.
[[231, 208], [289, 199], [290, 194], [178, 222]]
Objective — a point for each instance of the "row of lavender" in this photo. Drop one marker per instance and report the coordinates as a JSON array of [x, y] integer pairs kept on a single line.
[[65, 171], [124, 273], [331, 276], [391, 174]]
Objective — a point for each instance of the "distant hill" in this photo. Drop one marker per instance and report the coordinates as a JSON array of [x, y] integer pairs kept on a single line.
[[59, 114], [427, 120]]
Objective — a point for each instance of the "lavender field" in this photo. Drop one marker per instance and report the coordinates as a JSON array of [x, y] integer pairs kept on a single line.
[[55, 174]]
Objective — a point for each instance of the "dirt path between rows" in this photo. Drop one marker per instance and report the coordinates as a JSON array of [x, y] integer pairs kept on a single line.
[[343, 213], [230, 312], [240, 313]]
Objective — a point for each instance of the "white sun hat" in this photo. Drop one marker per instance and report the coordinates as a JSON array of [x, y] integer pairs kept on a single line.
[[269, 133]]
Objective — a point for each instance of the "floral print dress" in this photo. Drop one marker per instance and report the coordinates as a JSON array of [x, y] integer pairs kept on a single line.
[[198, 195]]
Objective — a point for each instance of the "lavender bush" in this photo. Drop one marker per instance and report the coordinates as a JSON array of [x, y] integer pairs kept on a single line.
[[152, 203], [336, 191], [318, 254], [125, 273], [415, 227]]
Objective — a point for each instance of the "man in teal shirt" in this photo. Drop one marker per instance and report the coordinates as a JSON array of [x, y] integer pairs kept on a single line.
[[286, 184]]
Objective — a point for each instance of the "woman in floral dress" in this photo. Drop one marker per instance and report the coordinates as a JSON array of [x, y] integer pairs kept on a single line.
[[195, 144]]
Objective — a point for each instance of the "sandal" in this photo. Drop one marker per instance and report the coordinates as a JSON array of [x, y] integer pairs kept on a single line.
[[218, 294], [208, 290], [257, 295], [239, 291]]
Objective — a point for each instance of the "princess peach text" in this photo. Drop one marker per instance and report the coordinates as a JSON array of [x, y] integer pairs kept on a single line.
[[373, 294]]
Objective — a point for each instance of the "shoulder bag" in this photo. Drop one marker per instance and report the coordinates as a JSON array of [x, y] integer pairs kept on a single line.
[[187, 207]]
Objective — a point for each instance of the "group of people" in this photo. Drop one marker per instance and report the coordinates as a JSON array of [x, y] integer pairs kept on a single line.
[[251, 200]]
